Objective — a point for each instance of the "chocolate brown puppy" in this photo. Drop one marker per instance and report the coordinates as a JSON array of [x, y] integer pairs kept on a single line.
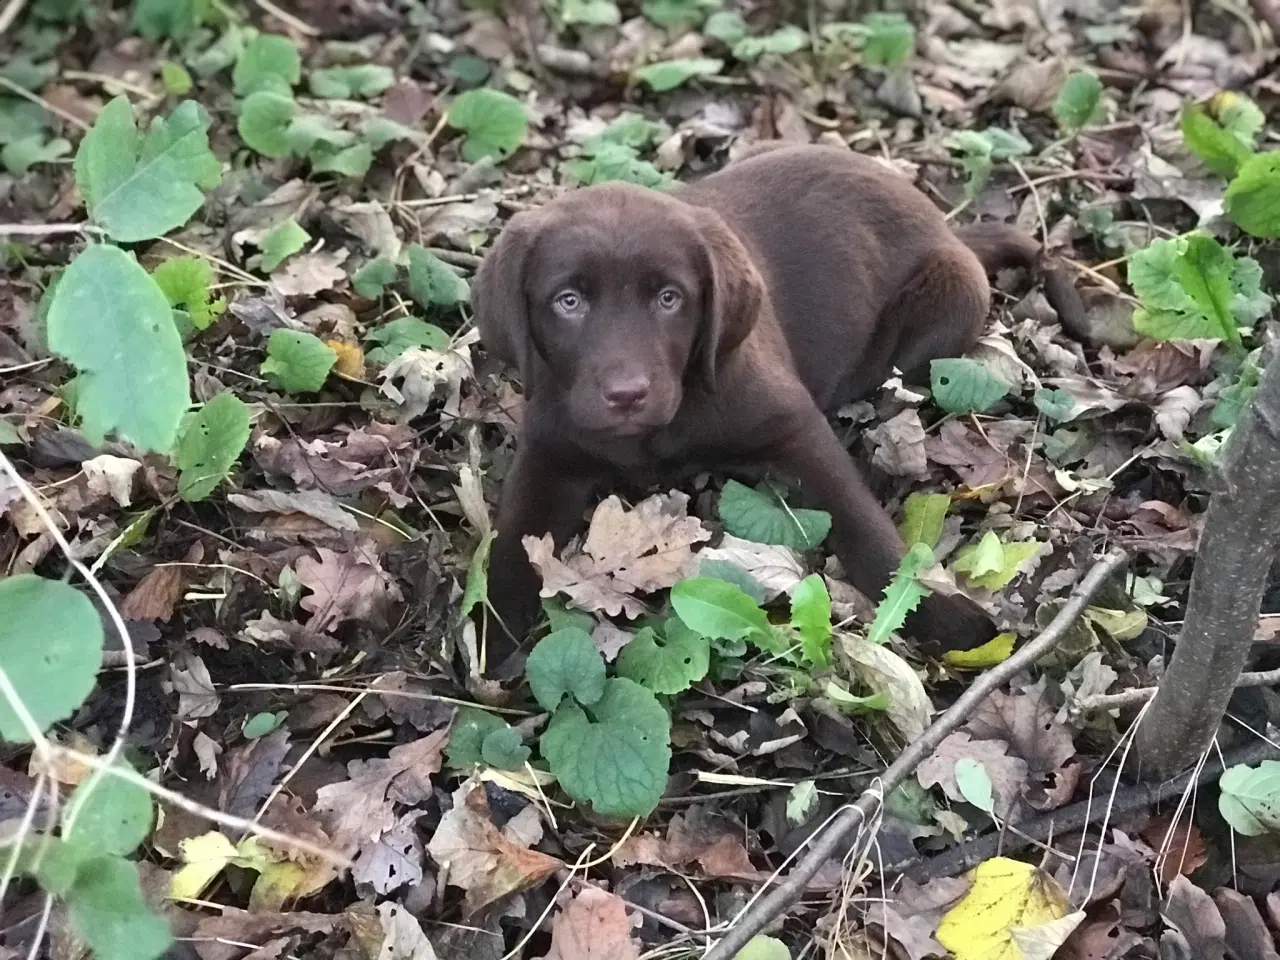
[[713, 326]]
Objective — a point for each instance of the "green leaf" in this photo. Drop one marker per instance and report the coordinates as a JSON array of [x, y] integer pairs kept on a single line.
[[466, 740], [1187, 288], [260, 724], [264, 123], [974, 783], [811, 619], [504, 749], [964, 385], [1079, 102], [678, 14], [1218, 148], [348, 83], [108, 814], [312, 133], [108, 912], [220, 54], [614, 161], [432, 282], [188, 282], [902, 595], [403, 334], [720, 610], [669, 662], [477, 588], [299, 361], [1005, 143], [175, 78], [669, 74], [990, 563], [923, 515], [1250, 798], [378, 131], [565, 663], [614, 757], [1055, 404], [111, 320], [763, 948], [139, 190], [172, 19], [281, 243], [494, 122], [21, 119], [756, 516], [353, 161], [53, 862], [594, 13], [780, 43], [19, 156], [890, 39], [1253, 197], [51, 648], [727, 26], [371, 279], [268, 62], [211, 442]]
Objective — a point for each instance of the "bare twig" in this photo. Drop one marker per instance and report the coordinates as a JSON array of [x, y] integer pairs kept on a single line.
[[1138, 695], [45, 229], [288, 19], [825, 841], [10, 14]]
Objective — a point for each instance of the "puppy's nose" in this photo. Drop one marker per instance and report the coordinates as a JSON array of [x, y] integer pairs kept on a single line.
[[627, 395]]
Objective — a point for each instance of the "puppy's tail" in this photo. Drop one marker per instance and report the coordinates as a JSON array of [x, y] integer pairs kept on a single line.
[[999, 246]]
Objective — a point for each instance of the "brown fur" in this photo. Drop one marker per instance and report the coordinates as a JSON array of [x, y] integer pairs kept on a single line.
[[805, 276]]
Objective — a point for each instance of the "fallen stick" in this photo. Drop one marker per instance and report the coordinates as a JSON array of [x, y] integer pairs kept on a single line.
[[824, 842], [1136, 696]]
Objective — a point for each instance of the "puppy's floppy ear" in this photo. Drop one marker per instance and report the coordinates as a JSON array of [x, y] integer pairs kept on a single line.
[[498, 297], [736, 294]]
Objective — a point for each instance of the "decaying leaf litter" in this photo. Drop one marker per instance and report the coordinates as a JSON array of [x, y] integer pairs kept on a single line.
[[291, 570]]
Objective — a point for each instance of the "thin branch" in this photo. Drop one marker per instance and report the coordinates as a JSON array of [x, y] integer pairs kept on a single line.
[[10, 14], [823, 843], [45, 229], [288, 19], [1138, 695]]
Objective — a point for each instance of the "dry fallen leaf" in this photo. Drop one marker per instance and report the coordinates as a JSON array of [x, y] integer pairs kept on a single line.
[[1027, 723], [308, 273], [625, 552], [345, 586], [111, 475], [1008, 774], [593, 926]]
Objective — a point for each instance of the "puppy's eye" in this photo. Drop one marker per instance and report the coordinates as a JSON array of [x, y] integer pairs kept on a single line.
[[568, 301], [670, 298]]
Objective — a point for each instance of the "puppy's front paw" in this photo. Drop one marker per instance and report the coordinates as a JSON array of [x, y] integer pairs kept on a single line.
[[950, 622]]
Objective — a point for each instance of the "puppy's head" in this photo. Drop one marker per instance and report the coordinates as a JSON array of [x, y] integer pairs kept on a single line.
[[626, 295]]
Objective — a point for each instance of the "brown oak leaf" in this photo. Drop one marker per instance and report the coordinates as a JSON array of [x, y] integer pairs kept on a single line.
[[1028, 724], [593, 926], [345, 586], [1008, 774]]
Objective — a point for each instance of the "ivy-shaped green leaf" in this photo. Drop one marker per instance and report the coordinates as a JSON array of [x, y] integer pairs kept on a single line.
[[431, 281], [1079, 102], [269, 62], [346, 83], [281, 243], [669, 662], [565, 663], [187, 282], [669, 74], [403, 334], [264, 123], [299, 361], [494, 122]]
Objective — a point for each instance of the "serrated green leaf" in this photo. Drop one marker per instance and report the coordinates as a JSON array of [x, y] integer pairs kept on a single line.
[[371, 279], [1253, 197], [614, 161], [756, 516], [1218, 148], [902, 595], [466, 739], [780, 43], [964, 385], [109, 814], [720, 610], [268, 62], [108, 912], [494, 122], [565, 663], [991, 563], [1079, 102], [264, 123], [1250, 798], [112, 321], [504, 749], [922, 518], [403, 334], [260, 724], [51, 648], [594, 13], [188, 282], [811, 619], [141, 189], [346, 83], [889, 40], [211, 442], [669, 74], [299, 361], [669, 662], [1055, 404], [614, 757], [431, 281], [281, 243], [19, 156], [1186, 287]]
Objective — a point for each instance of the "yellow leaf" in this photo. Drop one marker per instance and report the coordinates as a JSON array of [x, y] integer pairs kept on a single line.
[[350, 362], [1121, 624], [996, 650], [280, 878], [990, 563], [1006, 895], [203, 858]]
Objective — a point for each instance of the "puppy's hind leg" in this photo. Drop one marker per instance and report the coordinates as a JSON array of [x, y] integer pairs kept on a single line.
[[939, 313]]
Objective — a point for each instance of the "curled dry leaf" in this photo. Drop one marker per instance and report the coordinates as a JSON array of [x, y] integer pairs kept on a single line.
[[777, 569], [345, 586], [879, 668], [111, 475], [625, 552], [422, 372], [1027, 723]]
